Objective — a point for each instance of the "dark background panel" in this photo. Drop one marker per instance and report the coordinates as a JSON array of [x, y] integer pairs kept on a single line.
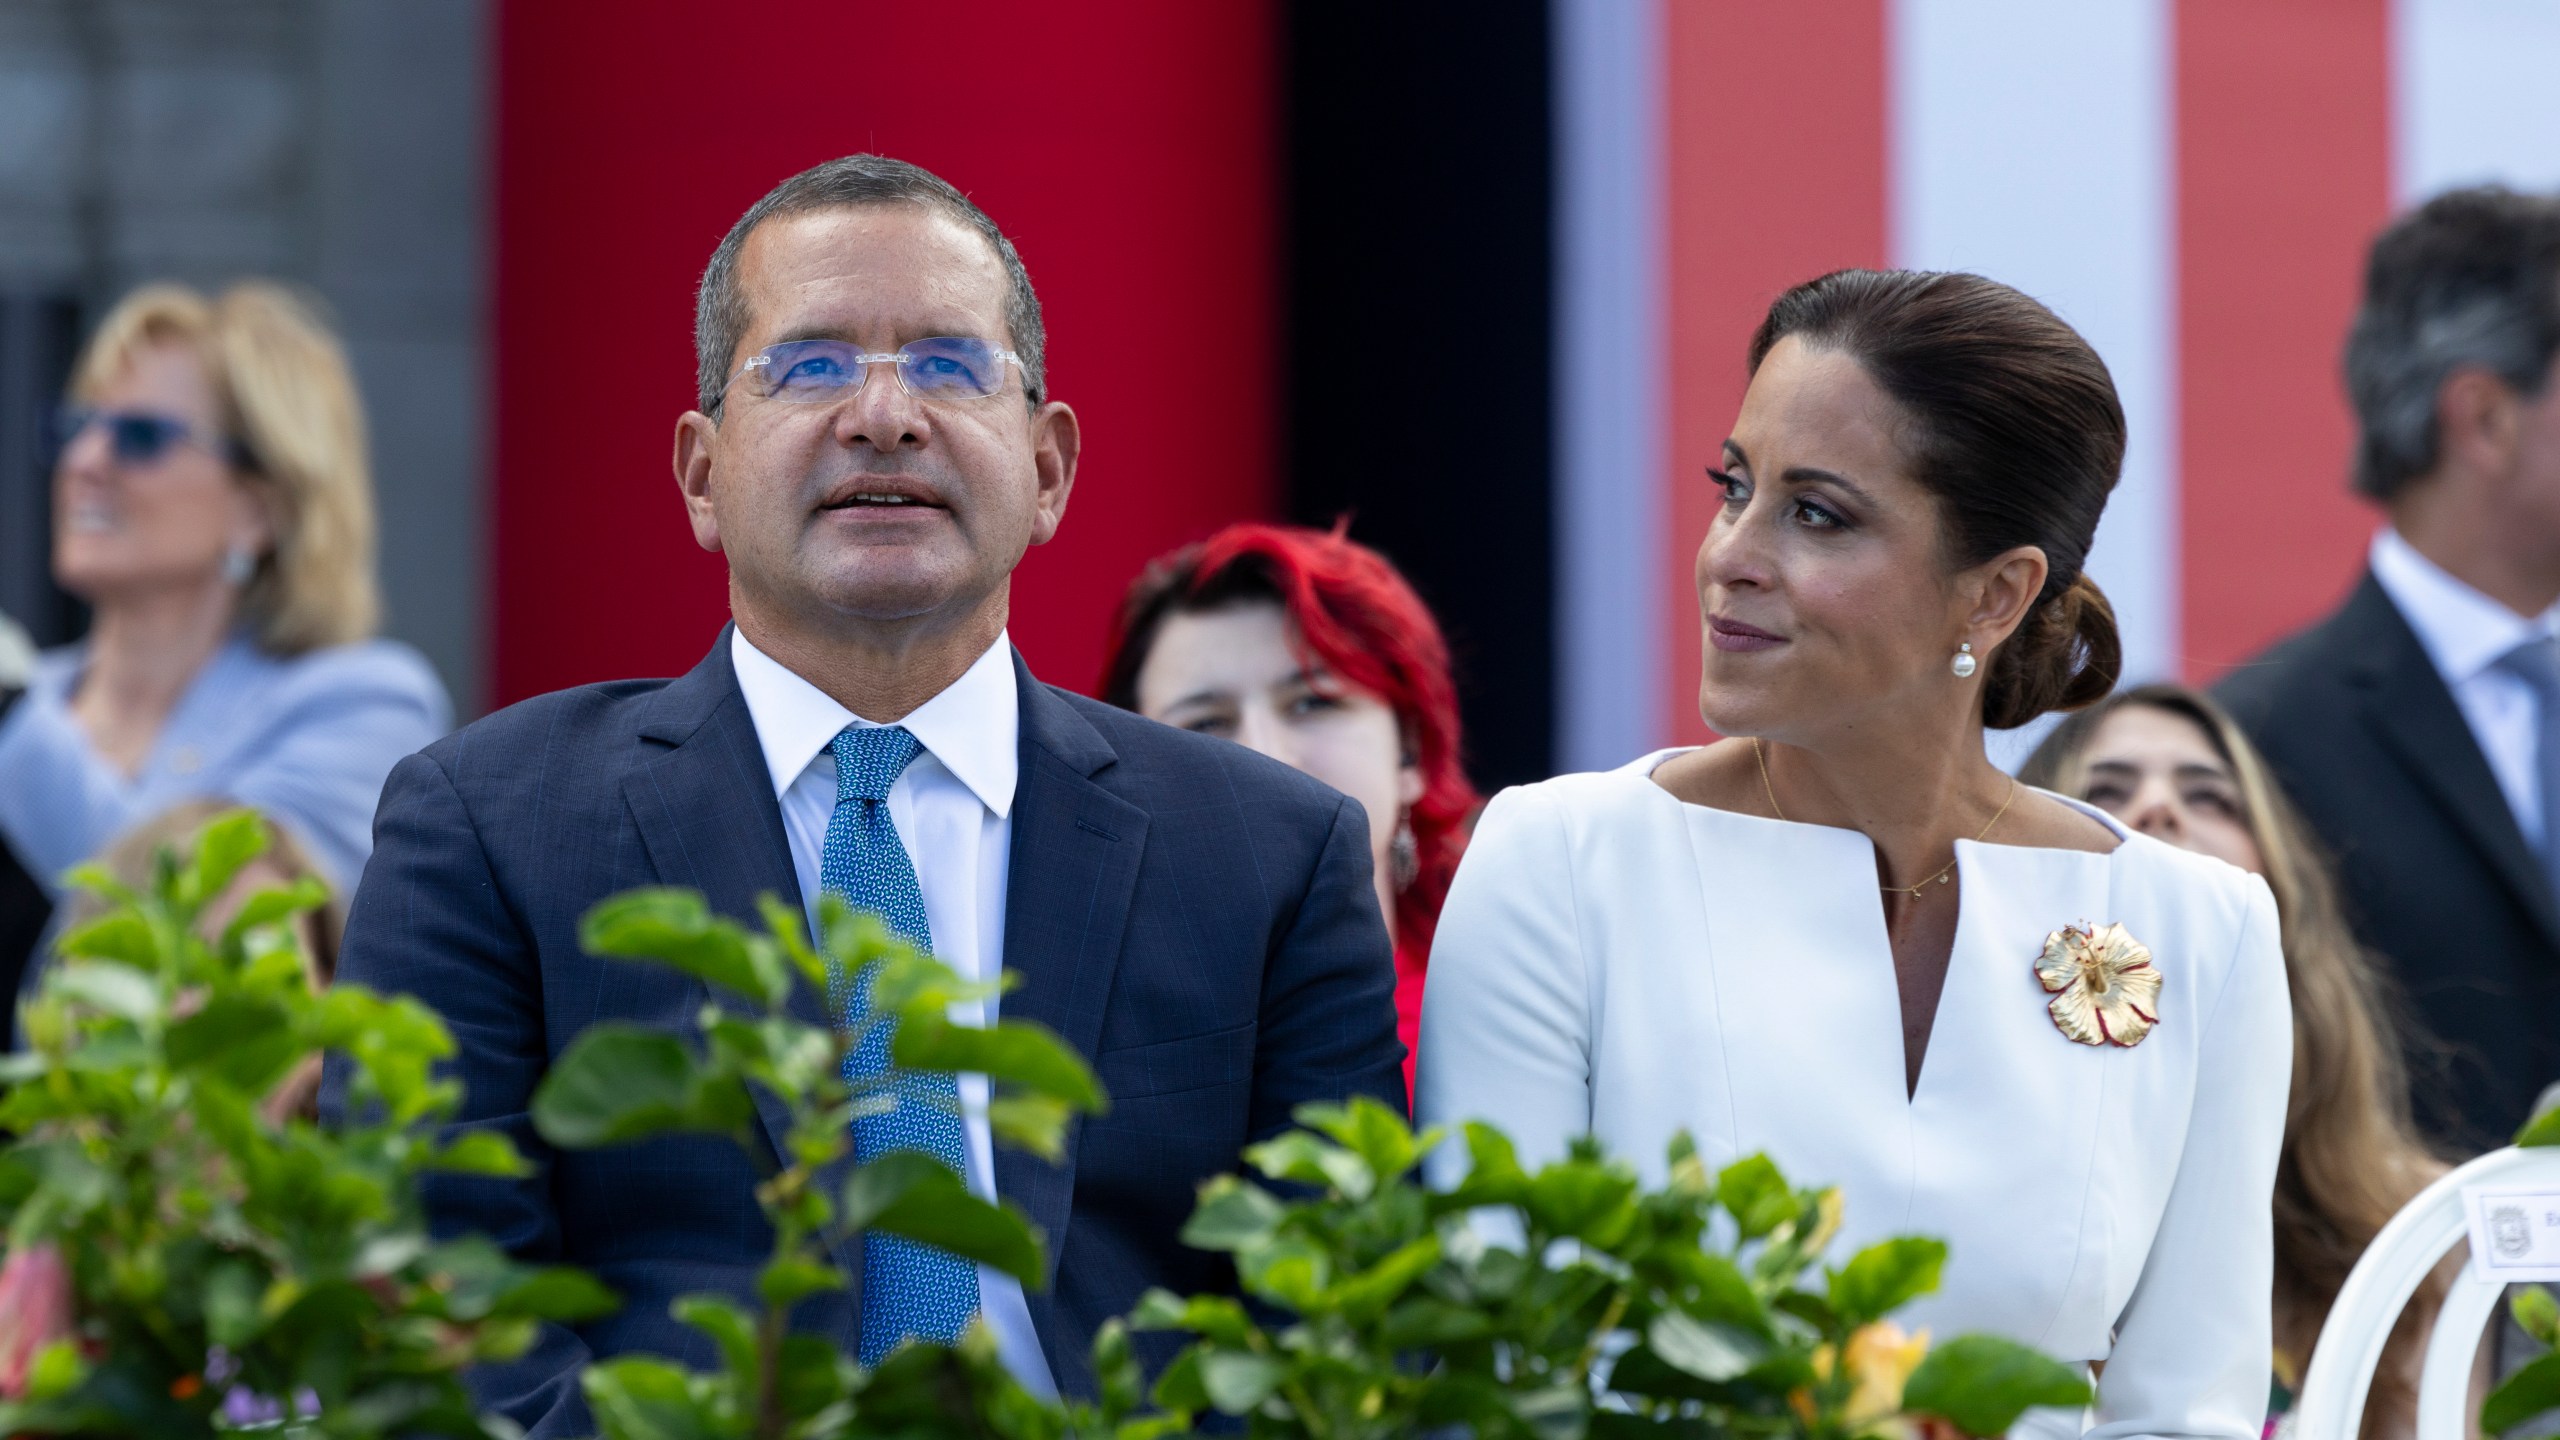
[[1418, 178]]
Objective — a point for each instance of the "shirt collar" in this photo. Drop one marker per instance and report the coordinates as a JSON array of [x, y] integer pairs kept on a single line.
[[973, 727], [2464, 631]]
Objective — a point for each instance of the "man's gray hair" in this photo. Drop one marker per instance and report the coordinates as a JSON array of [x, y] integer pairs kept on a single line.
[[2471, 279], [720, 316]]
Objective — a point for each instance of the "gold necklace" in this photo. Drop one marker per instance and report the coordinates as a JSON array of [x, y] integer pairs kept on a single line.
[[1913, 891]]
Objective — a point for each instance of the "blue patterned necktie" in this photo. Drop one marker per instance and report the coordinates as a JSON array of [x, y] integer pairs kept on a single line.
[[2537, 663], [907, 1289]]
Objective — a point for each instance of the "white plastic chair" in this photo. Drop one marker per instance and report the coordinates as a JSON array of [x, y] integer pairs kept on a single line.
[[2331, 1406]]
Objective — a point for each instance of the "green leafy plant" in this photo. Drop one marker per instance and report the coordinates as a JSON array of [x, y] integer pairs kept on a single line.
[[621, 1082], [1562, 1303], [181, 1259]]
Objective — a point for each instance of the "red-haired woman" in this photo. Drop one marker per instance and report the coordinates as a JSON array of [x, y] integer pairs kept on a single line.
[[1311, 649]]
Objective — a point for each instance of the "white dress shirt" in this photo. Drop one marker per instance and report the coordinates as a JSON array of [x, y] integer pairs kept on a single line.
[[953, 807], [2465, 632], [1615, 962]]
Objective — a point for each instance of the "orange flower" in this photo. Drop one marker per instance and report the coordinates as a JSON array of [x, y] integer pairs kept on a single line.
[[1880, 1361], [35, 1311], [2105, 989]]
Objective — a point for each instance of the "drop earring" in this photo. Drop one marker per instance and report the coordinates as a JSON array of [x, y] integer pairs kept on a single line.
[[1404, 855], [238, 564], [1964, 663]]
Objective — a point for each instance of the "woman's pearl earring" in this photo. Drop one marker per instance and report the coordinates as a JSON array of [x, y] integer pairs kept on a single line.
[[1964, 664]]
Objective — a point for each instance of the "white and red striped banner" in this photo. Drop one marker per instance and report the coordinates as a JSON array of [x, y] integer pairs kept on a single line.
[[2191, 183]]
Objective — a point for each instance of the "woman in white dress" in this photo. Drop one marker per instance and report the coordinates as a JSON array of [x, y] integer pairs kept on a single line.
[[1842, 937]]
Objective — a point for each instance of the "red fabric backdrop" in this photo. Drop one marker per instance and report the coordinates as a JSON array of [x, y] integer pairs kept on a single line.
[[1129, 148], [1756, 203]]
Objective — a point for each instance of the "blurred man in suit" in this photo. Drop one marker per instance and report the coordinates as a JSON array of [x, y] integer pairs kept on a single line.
[[872, 452], [2419, 726]]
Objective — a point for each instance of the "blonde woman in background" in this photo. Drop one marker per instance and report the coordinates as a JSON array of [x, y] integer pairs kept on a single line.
[[212, 504], [2168, 762]]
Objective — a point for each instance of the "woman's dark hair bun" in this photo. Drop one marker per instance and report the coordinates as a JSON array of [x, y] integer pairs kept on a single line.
[[2063, 656]]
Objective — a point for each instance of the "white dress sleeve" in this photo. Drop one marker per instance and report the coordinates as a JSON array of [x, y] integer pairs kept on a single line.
[[2191, 1356], [1506, 1012]]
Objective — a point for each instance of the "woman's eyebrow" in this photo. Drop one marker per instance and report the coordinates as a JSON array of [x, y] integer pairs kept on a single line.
[[1814, 475]]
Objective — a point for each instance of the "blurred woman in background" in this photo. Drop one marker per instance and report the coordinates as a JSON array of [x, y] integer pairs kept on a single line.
[[1310, 648], [2168, 762], [212, 504]]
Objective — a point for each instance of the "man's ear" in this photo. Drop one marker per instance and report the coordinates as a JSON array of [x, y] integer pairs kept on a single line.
[[2477, 421], [1056, 439], [1998, 593], [697, 440]]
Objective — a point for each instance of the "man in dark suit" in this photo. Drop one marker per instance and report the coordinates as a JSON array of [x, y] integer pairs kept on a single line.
[[2419, 727], [872, 454]]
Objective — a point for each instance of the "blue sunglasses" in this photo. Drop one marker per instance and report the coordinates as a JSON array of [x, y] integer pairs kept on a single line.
[[141, 437]]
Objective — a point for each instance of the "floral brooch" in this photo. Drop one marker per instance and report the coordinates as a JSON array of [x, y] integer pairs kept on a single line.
[[2105, 989]]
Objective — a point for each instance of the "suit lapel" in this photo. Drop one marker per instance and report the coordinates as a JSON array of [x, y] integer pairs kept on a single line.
[[1076, 848], [2407, 702], [708, 818]]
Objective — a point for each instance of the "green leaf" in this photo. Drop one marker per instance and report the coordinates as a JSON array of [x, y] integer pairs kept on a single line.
[[920, 1198], [481, 1152], [2537, 1314], [1014, 1053], [636, 1397], [1232, 1214], [1756, 1195], [730, 1329], [57, 1371], [2526, 1393], [117, 989], [1885, 1277], [558, 1293], [790, 931], [1369, 1129], [1180, 1388], [245, 1040], [1034, 1123], [1119, 1383], [884, 1181], [1705, 1351], [1589, 1200], [224, 847], [1982, 1384], [234, 1301], [1361, 1298], [619, 1082], [2540, 1131], [676, 927], [1494, 1176], [1423, 1322], [808, 1376], [274, 906], [1310, 1160], [1238, 1380], [121, 935], [787, 1280]]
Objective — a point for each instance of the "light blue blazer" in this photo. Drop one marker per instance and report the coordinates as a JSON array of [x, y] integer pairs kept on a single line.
[[308, 739]]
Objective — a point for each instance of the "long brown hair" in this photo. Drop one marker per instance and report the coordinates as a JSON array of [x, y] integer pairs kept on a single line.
[[2352, 1155]]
